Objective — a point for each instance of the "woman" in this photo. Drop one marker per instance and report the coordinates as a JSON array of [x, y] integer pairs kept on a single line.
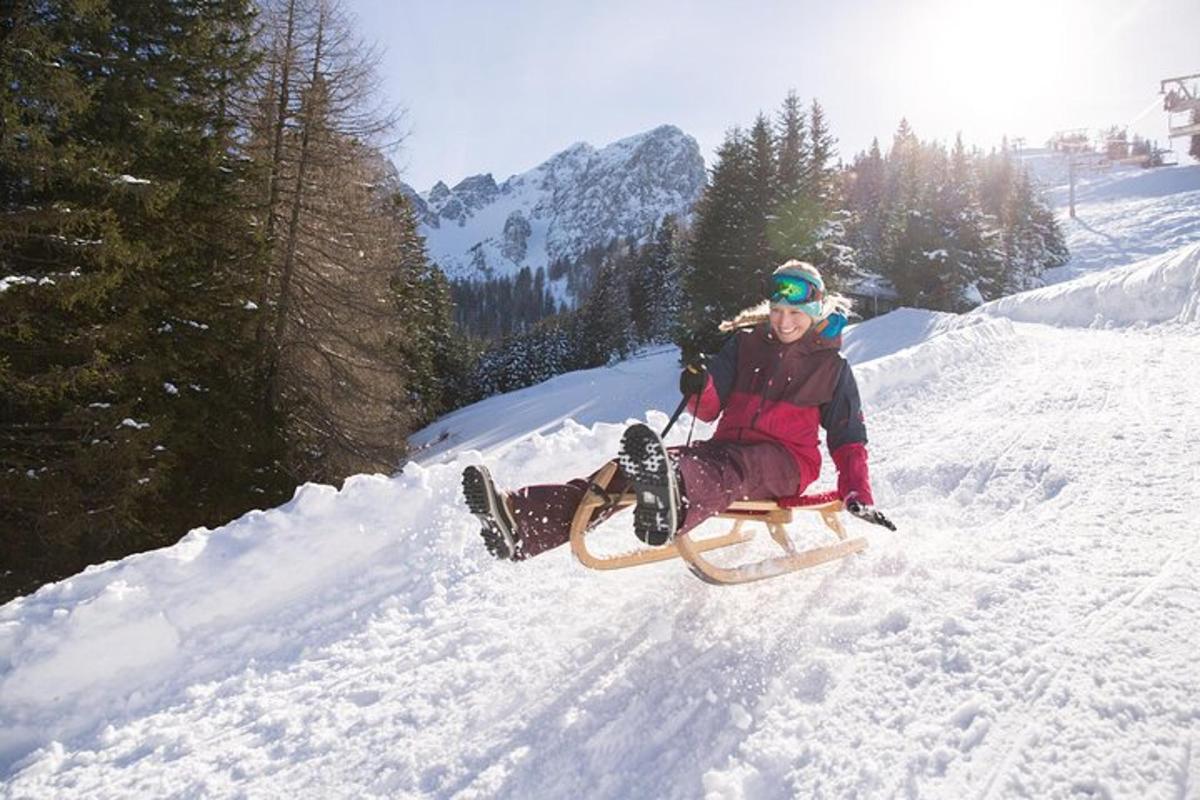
[[773, 383]]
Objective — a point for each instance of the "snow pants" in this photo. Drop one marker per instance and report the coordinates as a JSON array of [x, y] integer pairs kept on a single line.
[[712, 475]]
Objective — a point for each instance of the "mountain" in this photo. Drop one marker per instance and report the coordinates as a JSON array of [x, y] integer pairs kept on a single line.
[[579, 198]]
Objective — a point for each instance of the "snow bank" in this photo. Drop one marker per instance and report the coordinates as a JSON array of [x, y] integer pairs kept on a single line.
[[125, 635], [626, 390], [892, 332], [950, 343], [1159, 289]]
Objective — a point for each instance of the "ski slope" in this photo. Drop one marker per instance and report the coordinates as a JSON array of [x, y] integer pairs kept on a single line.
[[1029, 632], [1123, 214]]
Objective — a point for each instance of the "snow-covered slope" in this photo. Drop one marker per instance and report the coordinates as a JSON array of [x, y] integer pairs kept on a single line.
[[1122, 213], [1029, 632], [579, 198]]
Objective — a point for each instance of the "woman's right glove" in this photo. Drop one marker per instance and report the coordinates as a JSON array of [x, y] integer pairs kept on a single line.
[[693, 379], [868, 514]]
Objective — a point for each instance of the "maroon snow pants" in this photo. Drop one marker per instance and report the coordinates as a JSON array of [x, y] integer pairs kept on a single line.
[[713, 475]]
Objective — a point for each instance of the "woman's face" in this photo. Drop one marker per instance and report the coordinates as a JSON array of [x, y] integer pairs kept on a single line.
[[789, 324]]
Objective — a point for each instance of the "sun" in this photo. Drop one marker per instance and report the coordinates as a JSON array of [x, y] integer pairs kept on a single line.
[[986, 66]]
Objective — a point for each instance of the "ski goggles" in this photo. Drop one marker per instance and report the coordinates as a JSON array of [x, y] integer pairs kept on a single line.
[[794, 291]]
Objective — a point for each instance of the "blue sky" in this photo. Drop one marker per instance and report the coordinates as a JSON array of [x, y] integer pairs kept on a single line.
[[499, 86]]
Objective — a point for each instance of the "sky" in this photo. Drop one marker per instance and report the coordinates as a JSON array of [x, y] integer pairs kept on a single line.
[[500, 86]]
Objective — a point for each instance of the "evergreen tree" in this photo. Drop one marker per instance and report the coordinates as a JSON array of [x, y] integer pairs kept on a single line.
[[770, 198], [761, 203], [653, 285], [1032, 240], [127, 405], [970, 254], [793, 150], [902, 235], [606, 329], [958, 229], [722, 274], [864, 191], [821, 172]]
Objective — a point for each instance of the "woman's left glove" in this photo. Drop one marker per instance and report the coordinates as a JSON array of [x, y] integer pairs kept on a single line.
[[693, 379], [868, 514]]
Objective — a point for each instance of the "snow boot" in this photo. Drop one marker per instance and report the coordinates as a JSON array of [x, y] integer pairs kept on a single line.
[[499, 529], [644, 460]]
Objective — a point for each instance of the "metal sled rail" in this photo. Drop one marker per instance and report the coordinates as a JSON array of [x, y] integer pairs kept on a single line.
[[774, 515]]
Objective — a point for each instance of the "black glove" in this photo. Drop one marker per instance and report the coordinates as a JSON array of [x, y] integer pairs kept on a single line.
[[693, 379], [868, 514]]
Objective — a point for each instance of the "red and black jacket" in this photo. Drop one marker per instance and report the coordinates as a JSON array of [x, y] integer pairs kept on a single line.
[[770, 391]]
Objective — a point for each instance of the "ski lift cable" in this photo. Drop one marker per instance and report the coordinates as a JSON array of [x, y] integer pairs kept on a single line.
[[1155, 103]]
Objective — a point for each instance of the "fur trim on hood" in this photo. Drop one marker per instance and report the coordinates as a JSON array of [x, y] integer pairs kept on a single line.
[[749, 317]]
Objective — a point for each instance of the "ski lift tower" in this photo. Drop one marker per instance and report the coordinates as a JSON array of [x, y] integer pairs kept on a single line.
[[1072, 142], [1181, 97]]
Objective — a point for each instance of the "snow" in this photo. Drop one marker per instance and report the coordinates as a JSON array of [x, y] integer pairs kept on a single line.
[[1158, 289], [9, 281], [1029, 632]]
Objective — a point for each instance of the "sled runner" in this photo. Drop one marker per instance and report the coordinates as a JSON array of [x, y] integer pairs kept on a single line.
[[774, 514]]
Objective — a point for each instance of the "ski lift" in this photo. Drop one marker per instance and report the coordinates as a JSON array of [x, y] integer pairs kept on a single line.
[[1181, 97], [1074, 140]]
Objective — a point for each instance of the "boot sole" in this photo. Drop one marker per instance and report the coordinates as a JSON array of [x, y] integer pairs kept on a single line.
[[484, 502], [644, 460]]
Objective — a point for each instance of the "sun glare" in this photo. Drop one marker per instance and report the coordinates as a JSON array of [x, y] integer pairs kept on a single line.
[[989, 66]]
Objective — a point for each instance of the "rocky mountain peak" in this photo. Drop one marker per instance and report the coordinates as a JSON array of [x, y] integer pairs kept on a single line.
[[579, 198]]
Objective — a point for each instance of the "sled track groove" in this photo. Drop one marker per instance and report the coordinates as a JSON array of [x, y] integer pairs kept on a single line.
[[1079, 632]]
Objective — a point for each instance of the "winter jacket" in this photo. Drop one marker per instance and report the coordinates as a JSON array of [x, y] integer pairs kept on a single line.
[[770, 391]]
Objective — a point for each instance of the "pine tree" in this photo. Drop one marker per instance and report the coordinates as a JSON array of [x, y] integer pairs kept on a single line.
[[799, 214], [970, 255], [822, 149], [1032, 241], [902, 235], [722, 274], [348, 298], [761, 204], [864, 192], [606, 328], [127, 411], [793, 150]]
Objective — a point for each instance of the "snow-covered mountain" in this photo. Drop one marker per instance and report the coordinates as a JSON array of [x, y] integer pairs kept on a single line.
[[1028, 633], [579, 198]]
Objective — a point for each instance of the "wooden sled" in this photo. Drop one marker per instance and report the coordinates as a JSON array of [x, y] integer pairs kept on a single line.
[[774, 514]]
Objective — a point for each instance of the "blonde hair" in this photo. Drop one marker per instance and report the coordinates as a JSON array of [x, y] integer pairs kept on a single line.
[[831, 302]]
